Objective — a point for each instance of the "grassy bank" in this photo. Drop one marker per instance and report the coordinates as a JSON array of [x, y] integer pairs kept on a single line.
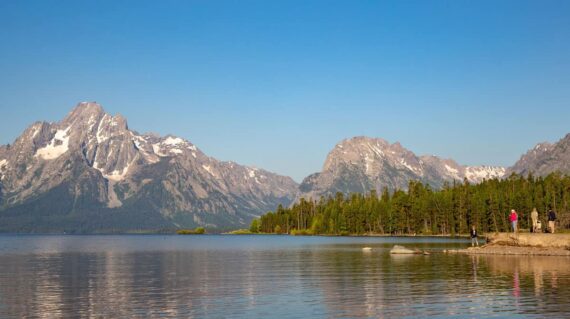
[[195, 231]]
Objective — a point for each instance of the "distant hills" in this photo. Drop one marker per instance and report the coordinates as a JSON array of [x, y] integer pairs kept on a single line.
[[90, 173]]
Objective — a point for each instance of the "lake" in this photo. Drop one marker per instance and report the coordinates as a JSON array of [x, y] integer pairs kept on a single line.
[[217, 276]]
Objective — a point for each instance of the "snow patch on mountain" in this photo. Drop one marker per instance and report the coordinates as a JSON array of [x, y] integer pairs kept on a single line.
[[408, 166], [3, 166], [138, 140], [157, 150], [117, 175], [368, 162], [208, 169], [478, 173], [57, 146], [251, 172], [100, 137], [173, 141], [453, 173], [376, 149], [36, 131], [114, 200]]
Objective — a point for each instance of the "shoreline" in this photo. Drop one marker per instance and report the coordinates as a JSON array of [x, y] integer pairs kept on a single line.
[[493, 249], [244, 232], [528, 244]]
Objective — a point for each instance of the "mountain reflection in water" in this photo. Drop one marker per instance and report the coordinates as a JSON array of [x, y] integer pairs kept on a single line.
[[270, 276]]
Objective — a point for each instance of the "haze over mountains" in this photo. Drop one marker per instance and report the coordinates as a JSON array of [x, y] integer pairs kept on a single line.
[[91, 173]]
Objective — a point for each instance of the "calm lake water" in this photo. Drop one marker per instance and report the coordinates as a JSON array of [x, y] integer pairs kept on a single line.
[[270, 277]]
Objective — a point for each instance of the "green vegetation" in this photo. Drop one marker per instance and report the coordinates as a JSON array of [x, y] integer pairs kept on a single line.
[[239, 232], [277, 229], [422, 210], [301, 232], [195, 231], [254, 228]]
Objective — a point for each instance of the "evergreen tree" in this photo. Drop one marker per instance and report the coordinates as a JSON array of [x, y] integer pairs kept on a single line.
[[420, 210]]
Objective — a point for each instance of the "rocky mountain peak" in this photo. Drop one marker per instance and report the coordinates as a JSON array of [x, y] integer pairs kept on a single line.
[[373, 154], [91, 165], [84, 112], [361, 164], [545, 158]]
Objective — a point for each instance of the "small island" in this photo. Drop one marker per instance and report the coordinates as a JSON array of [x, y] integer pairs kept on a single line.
[[195, 231], [239, 232]]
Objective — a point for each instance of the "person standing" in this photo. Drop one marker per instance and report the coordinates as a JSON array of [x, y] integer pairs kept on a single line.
[[474, 236], [514, 219], [551, 220], [534, 217]]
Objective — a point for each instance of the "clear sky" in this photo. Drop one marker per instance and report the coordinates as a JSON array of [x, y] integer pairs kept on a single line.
[[276, 84]]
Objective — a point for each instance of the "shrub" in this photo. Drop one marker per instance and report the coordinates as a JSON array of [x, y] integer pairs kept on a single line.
[[196, 231]]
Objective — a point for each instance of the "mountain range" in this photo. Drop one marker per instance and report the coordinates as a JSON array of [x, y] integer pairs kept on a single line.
[[90, 173], [545, 158], [361, 164]]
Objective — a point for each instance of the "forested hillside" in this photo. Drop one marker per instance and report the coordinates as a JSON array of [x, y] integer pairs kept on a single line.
[[422, 210]]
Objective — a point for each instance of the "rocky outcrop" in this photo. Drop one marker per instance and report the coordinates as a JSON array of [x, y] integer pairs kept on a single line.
[[527, 244], [530, 240]]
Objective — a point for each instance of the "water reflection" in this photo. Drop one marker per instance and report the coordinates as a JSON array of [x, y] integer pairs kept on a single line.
[[283, 277]]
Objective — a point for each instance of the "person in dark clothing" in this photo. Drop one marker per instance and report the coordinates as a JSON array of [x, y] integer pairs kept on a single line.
[[474, 236], [551, 220]]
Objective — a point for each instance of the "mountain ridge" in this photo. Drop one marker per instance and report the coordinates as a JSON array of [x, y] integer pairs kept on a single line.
[[545, 158], [122, 169], [90, 172], [361, 164]]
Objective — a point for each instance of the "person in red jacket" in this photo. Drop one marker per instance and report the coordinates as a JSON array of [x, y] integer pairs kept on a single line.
[[514, 219]]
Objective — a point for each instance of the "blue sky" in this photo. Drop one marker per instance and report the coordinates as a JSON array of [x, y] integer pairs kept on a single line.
[[277, 84]]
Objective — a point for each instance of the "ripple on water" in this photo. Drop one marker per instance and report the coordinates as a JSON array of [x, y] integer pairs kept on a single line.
[[270, 276]]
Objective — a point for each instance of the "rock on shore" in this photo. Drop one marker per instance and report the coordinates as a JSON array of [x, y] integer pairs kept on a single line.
[[530, 240], [522, 244]]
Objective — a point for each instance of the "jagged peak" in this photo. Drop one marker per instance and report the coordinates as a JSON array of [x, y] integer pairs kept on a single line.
[[356, 140], [34, 129], [151, 134], [562, 142], [373, 146], [84, 111], [87, 107], [432, 158], [543, 145], [120, 120]]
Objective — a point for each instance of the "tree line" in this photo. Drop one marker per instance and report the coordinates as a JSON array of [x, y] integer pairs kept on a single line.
[[420, 209]]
